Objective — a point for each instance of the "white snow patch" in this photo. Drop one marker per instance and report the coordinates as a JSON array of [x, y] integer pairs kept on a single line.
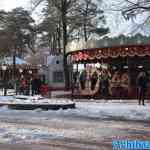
[[105, 110], [37, 99], [97, 110]]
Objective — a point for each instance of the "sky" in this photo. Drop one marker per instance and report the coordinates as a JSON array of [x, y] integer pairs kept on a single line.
[[115, 21], [10, 4]]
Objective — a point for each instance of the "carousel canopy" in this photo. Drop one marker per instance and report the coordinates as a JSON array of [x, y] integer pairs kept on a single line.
[[110, 48]]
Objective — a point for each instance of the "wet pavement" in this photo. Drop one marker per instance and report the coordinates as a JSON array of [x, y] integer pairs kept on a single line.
[[66, 133]]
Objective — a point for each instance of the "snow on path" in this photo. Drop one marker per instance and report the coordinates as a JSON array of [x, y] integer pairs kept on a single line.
[[16, 126], [129, 111]]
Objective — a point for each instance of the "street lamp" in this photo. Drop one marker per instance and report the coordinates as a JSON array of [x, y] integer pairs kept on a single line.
[[30, 71], [20, 70], [4, 68]]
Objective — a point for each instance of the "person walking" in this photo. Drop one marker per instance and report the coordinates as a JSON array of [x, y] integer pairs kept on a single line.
[[142, 86], [36, 85], [33, 86]]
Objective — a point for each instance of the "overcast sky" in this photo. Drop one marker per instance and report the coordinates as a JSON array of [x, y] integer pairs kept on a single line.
[[10, 4], [114, 19]]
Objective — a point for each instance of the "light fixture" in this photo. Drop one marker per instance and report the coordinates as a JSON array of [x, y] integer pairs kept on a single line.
[[30, 71], [20, 70], [4, 67], [140, 67], [125, 67], [114, 67], [98, 65], [104, 66]]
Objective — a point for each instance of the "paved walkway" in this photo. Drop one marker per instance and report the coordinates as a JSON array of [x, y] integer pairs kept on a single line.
[[66, 133]]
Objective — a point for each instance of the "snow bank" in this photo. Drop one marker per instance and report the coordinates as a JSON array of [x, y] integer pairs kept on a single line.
[[114, 110], [96, 110], [105, 111], [37, 99]]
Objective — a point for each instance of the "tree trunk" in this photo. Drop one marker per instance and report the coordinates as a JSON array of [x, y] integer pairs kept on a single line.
[[85, 33], [59, 37], [64, 26]]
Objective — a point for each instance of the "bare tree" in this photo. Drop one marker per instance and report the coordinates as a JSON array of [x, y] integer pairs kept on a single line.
[[133, 8], [69, 19], [87, 12], [50, 29]]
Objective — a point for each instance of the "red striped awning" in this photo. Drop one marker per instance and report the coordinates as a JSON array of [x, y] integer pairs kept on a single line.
[[110, 52]]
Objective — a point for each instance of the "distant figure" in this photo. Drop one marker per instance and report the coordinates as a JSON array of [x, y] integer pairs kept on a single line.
[[142, 86], [35, 86], [38, 85], [23, 86], [75, 77], [104, 84], [17, 86], [28, 87]]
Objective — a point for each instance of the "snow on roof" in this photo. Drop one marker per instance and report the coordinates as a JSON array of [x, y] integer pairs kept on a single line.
[[108, 42], [50, 59], [9, 61]]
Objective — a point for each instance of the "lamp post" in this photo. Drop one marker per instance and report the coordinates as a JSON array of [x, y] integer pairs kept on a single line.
[[14, 67], [30, 72], [4, 68], [20, 71]]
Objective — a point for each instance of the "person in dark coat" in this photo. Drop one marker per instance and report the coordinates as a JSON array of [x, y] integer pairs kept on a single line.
[[104, 84], [142, 86], [33, 86], [36, 85]]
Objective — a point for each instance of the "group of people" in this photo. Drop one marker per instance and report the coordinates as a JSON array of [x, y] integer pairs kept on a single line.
[[27, 86]]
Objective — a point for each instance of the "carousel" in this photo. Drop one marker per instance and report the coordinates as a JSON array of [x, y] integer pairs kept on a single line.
[[111, 66]]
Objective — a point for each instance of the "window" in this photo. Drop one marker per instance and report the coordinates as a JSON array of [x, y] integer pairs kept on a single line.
[[57, 61], [58, 76]]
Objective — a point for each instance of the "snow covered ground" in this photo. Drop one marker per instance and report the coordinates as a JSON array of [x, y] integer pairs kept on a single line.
[[85, 122], [99, 109]]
